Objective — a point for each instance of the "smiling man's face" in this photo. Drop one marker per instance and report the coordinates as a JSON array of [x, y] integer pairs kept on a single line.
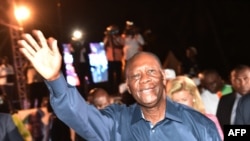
[[145, 80]]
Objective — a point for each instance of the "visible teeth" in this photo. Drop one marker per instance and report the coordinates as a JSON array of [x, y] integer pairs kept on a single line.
[[146, 90]]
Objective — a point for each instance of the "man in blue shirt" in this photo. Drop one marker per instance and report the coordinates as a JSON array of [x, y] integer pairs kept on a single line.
[[153, 118]]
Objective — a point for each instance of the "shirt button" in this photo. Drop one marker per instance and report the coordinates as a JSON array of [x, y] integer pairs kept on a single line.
[[153, 131]]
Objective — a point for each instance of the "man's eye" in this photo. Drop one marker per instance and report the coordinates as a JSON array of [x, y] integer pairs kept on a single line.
[[246, 78], [136, 76], [151, 71], [184, 99]]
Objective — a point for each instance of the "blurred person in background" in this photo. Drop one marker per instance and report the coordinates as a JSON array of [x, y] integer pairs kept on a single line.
[[183, 90], [190, 65], [9, 131], [100, 98], [56, 129], [35, 125], [36, 87], [4, 108], [213, 88], [7, 80], [113, 44], [133, 40], [172, 62]]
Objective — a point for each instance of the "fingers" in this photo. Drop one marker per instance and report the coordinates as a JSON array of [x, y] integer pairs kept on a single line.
[[53, 44], [32, 45], [40, 37], [26, 49], [30, 40], [26, 54], [41, 41]]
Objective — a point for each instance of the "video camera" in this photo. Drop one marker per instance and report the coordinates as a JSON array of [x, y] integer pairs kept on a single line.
[[112, 30]]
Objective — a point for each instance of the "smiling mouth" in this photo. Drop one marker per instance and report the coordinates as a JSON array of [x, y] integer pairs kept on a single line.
[[146, 90]]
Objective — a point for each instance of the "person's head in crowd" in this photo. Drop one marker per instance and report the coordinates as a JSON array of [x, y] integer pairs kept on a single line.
[[130, 29], [170, 73], [183, 90], [100, 98], [211, 80], [145, 79], [191, 52], [240, 79], [4, 60]]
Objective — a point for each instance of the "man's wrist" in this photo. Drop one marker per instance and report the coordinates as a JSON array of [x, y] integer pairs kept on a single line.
[[54, 77]]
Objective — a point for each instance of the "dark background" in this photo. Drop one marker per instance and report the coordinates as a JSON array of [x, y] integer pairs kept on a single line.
[[219, 29]]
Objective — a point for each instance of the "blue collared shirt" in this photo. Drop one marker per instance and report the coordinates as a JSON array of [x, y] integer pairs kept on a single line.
[[121, 123]]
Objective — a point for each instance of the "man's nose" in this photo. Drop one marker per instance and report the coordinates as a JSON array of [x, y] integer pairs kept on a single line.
[[144, 78]]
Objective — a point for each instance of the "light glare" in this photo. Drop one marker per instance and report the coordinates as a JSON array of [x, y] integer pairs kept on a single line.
[[22, 13]]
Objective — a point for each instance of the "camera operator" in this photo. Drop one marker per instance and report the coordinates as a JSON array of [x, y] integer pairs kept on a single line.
[[113, 44], [133, 40]]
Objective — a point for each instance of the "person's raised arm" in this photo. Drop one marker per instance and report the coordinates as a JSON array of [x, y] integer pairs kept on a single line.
[[43, 54]]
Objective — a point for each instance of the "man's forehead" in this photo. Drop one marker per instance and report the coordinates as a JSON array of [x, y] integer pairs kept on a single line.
[[144, 64], [243, 73], [241, 76], [144, 59]]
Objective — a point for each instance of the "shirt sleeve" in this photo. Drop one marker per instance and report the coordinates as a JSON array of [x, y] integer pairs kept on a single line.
[[211, 133], [140, 39], [73, 110], [216, 122]]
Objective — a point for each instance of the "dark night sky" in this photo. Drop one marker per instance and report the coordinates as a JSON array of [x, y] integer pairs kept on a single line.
[[218, 29]]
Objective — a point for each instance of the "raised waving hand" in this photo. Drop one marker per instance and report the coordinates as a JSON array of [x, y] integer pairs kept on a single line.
[[43, 54]]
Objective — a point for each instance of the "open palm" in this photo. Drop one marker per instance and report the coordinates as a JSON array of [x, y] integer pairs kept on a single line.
[[43, 54]]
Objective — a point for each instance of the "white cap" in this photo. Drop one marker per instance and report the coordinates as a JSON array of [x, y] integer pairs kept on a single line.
[[122, 88], [170, 73]]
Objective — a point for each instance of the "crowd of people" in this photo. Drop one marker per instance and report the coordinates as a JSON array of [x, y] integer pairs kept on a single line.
[[152, 106]]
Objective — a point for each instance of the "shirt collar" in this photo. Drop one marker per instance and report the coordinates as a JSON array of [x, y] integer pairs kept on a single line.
[[172, 113], [238, 95]]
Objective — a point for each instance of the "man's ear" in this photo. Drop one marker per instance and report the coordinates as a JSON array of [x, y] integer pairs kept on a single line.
[[128, 89], [164, 77]]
